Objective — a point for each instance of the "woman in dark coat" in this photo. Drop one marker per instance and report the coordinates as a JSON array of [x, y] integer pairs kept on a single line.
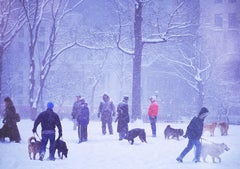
[[10, 128], [122, 118]]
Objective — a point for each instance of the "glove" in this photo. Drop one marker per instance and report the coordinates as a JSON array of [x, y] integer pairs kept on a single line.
[[98, 115]]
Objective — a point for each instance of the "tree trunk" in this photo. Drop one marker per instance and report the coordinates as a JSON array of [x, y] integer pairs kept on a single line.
[[1, 65], [137, 61]]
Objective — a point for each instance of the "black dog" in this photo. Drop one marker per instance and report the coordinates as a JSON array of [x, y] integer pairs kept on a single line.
[[131, 134], [173, 133], [61, 146]]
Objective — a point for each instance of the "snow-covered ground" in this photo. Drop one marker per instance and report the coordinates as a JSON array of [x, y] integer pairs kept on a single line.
[[107, 152]]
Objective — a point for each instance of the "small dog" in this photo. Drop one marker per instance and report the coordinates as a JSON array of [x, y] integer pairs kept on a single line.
[[61, 146], [223, 128], [214, 150], [173, 133], [33, 147], [131, 134], [210, 127]]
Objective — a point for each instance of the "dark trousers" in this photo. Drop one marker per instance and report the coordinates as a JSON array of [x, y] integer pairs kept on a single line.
[[82, 132], [191, 143], [153, 121], [44, 141]]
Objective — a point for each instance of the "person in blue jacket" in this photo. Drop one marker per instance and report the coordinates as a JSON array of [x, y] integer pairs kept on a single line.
[[83, 120], [194, 133], [49, 120]]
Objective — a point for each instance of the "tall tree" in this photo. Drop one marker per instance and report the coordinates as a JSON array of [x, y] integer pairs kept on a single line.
[[11, 21], [35, 12], [140, 41]]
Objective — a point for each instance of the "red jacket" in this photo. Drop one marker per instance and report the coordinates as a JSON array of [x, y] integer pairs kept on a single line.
[[153, 109]]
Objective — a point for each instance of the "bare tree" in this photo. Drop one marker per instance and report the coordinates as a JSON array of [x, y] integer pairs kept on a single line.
[[140, 41], [195, 71], [34, 12], [11, 21]]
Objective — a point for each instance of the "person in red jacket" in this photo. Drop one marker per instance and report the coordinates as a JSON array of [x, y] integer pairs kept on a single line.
[[152, 114]]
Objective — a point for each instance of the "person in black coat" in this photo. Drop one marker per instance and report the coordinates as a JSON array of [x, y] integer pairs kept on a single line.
[[122, 118], [49, 120], [194, 133], [10, 128], [83, 120]]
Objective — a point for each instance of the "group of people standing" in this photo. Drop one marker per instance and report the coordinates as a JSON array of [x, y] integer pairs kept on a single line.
[[106, 112]]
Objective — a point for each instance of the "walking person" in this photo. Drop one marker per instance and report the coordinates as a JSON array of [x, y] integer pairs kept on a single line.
[[75, 111], [106, 110], [49, 120], [194, 133], [83, 121], [122, 118], [152, 114], [10, 119]]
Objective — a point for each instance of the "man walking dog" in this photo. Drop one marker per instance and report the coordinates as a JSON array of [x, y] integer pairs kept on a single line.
[[49, 120]]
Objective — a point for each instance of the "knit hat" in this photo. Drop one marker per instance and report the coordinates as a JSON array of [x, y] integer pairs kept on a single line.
[[50, 105], [153, 98], [125, 98], [203, 112]]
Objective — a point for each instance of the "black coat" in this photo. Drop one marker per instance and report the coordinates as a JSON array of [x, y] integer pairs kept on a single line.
[[194, 129], [122, 116], [49, 120]]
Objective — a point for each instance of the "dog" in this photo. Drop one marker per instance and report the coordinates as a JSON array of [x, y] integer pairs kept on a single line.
[[61, 146], [210, 128], [33, 147], [214, 150], [131, 134], [223, 128], [173, 133]]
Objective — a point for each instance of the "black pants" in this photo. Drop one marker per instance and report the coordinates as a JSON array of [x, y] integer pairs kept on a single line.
[[82, 133]]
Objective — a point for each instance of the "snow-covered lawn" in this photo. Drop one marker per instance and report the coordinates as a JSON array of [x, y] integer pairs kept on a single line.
[[107, 152]]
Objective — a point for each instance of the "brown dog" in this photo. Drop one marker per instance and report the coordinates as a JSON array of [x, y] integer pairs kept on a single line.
[[173, 133], [210, 128], [33, 147], [223, 128], [214, 150]]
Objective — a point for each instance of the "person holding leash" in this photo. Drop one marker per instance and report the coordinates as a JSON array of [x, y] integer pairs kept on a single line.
[[49, 120]]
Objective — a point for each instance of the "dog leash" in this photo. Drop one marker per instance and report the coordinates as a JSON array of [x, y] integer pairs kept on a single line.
[[207, 140], [37, 135]]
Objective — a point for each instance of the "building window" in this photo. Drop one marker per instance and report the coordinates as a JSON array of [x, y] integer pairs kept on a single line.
[[218, 1], [232, 20], [218, 22]]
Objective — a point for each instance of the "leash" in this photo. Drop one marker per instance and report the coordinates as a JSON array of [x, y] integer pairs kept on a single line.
[[38, 136], [207, 140]]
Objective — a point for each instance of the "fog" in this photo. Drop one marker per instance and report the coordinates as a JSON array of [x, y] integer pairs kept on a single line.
[[185, 52]]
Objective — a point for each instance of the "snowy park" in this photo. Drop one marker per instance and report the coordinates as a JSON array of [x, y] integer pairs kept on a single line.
[[107, 152]]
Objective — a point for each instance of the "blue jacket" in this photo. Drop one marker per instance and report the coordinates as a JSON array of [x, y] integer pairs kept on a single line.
[[83, 117]]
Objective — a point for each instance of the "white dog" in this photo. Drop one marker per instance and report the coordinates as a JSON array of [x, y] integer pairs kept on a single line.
[[214, 150]]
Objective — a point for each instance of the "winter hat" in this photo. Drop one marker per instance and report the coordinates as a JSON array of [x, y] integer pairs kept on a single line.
[[125, 98], [153, 98], [50, 105], [203, 112]]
